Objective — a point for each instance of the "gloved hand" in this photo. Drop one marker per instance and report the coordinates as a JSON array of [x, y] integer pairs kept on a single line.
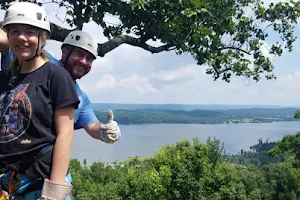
[[52, 190], [110, 132]]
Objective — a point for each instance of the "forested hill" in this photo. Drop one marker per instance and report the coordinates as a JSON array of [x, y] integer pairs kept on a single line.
[[252, 115], [124, 106]]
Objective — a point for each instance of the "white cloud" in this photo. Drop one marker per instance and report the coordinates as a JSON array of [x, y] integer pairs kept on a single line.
[[107, 82], [141, 84], [177, 75], [129, 53], [195, 87], [103, 65], [134, 82], [291, 82]]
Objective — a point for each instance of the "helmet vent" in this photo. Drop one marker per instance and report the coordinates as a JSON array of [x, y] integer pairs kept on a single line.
[[39, 16], [77, 37]]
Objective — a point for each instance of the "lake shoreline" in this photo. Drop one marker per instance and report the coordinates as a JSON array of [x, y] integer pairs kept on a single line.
[[285, 121]]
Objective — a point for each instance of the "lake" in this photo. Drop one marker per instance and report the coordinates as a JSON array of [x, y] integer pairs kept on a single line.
[[144, 140]]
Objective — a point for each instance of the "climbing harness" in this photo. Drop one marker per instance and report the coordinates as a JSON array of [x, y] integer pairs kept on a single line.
[[24, 175], [3, 193]]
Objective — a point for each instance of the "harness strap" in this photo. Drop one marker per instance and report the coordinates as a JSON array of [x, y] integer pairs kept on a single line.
[[26, 160], [14, 184], [28, 166], [3, 194], [34, 173], [11, 182]]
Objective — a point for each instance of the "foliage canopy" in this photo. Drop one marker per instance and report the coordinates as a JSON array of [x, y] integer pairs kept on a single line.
[[228, 37]]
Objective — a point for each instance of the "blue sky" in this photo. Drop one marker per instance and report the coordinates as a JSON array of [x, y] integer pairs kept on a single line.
[[132, 75]]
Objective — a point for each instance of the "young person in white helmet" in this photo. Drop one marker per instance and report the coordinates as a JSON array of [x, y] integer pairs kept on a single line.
[[36, 113], [79, 50]]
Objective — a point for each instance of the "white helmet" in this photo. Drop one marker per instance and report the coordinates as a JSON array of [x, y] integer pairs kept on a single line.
[[27, 13], [83, 40]]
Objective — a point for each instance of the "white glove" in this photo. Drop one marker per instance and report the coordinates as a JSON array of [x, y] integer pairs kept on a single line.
[[110, 132], [52, 190]]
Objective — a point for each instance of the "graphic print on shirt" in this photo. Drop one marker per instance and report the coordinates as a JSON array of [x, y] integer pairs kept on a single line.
[[15, 113]]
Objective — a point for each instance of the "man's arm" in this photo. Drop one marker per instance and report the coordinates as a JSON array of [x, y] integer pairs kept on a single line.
[[86, 118], [94, 129], [6, 54], [3, 42]]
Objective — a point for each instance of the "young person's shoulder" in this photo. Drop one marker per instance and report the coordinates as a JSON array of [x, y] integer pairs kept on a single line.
[[52, 72], [53, 68]]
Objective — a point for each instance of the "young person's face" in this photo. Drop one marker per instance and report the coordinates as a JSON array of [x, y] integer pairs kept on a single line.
[[23, 40], [79, 62]]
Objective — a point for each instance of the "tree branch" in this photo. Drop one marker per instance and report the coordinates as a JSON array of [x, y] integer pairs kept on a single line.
[[126, 39], [59, 33], [235, 48]]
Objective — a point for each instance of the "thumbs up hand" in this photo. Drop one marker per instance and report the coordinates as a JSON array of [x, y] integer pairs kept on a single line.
[[110, 132]]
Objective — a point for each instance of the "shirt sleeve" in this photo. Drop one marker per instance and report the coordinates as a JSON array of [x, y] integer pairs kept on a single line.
[[63, 90], [86, 113], [6, 59]]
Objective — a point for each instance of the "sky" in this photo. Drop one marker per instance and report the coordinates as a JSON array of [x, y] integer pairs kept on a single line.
[[132, 75]]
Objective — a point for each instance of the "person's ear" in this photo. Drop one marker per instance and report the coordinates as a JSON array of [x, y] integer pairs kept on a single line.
[[64, 53]]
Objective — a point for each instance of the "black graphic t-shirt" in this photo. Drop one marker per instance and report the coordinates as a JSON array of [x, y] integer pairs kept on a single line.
[[27, 109]]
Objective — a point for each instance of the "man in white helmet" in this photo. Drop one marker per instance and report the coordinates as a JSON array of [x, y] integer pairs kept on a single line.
[[79, 50]]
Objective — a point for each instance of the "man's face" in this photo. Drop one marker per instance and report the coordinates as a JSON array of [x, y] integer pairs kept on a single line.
[[79, 62]]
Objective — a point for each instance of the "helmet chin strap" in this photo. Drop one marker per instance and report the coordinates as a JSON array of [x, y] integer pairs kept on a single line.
[[65, 62], [67, 58]]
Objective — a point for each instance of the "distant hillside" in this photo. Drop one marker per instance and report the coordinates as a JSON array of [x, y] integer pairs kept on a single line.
[[114, 106], [251, 115]]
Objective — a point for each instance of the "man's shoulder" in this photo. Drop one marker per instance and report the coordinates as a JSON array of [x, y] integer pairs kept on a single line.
[[84, 114], [82, 95], [52, 59]]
